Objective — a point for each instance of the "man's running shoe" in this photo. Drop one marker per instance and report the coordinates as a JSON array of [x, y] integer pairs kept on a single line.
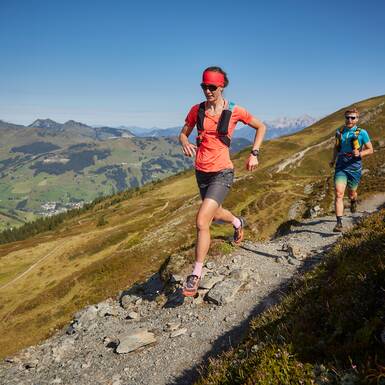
[[190, 287], [238, 233], [338, 228], [353, 206]]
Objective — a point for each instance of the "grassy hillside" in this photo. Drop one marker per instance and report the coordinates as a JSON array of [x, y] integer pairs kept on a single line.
[[327, 330], [75, 164], [119, 241]]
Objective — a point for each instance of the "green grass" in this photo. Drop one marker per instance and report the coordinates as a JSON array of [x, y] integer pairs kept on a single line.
[[326, 329]]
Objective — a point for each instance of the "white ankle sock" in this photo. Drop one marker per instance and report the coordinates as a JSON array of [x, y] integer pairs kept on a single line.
[[236, 222], [198, 269]]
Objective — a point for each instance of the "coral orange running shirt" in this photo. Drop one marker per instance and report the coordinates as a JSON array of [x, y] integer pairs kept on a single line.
[[213, 155]]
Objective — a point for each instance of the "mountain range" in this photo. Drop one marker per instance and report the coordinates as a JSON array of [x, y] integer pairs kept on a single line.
[[48, 167], [275, 128]]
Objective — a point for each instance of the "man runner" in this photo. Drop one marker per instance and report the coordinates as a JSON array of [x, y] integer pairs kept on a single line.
[[352, 144]]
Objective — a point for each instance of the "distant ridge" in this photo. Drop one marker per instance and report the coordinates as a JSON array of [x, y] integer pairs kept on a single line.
[[275, 128], [46, 123], [50, 127]]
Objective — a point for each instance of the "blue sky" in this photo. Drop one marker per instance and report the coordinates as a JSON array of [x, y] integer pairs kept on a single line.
[[139, 63]]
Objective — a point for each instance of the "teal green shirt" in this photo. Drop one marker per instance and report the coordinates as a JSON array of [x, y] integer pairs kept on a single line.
[[347, 138]]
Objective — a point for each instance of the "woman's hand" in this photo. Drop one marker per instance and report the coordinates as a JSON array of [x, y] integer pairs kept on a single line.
[[252, 162], [189, 149]]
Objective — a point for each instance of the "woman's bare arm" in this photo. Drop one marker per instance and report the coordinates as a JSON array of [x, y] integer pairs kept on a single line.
[[189, 149]]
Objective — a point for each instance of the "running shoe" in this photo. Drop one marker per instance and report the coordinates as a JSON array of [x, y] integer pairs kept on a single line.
[[238, 233], [353, 206], [191, 285], [338, 228]]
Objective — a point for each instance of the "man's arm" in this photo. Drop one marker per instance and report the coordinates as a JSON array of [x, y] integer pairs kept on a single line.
[[334, 157], [367, 150]]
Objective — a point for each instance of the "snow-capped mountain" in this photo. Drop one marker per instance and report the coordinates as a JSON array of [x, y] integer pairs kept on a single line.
[[277, 127]]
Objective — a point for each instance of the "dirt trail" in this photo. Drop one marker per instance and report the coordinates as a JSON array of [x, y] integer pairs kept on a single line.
[[34, 265], [187, 331], [297, 157]]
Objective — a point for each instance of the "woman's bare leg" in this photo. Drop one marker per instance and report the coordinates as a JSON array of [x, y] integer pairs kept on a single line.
[[204, 218], [223, 215]]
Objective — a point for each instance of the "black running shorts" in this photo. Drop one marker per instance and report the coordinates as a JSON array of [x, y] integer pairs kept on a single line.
[[215, 185]]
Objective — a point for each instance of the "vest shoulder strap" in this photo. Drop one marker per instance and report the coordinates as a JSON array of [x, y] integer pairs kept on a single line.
[[201, 116], [339, 138]]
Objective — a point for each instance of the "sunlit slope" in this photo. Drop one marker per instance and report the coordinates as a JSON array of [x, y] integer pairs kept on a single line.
[[326, 329], [45, 279]]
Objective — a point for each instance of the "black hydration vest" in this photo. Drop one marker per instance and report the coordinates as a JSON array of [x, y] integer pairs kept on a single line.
[[222, 127]]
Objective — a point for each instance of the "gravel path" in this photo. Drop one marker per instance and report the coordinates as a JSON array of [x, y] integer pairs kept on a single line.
[[177, 335]]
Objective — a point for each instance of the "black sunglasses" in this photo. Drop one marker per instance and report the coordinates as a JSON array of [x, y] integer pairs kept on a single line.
[[209, 87], [350, 117]]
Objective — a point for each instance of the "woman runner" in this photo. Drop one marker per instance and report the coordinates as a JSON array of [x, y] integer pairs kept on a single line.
[[216, 119]]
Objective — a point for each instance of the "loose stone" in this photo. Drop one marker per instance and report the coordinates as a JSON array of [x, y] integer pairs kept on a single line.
[[224, 292], [172, 326], [178, 332], [134, 340], [133, 315]]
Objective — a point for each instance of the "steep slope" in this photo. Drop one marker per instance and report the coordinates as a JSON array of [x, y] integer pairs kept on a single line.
[[330, 329], [120, 241], [174, 336]]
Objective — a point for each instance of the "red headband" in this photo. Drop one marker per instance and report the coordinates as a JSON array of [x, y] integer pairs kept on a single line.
[[215, 78]]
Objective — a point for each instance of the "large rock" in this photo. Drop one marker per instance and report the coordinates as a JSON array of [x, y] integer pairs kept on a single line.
[[86, 315], [83, 319], [294, 251], [133, 340], [296, 209], [315, 211], [239, 274], [224, 292], [209, 280], [173, 265], [61, 350], [129, 300], [107, 308]]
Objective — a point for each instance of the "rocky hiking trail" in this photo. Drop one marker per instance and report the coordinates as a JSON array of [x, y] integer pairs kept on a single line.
[[147, 336]]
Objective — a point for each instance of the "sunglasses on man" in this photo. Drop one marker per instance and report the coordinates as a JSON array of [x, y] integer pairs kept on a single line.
[[350, 117], [209, 87]]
